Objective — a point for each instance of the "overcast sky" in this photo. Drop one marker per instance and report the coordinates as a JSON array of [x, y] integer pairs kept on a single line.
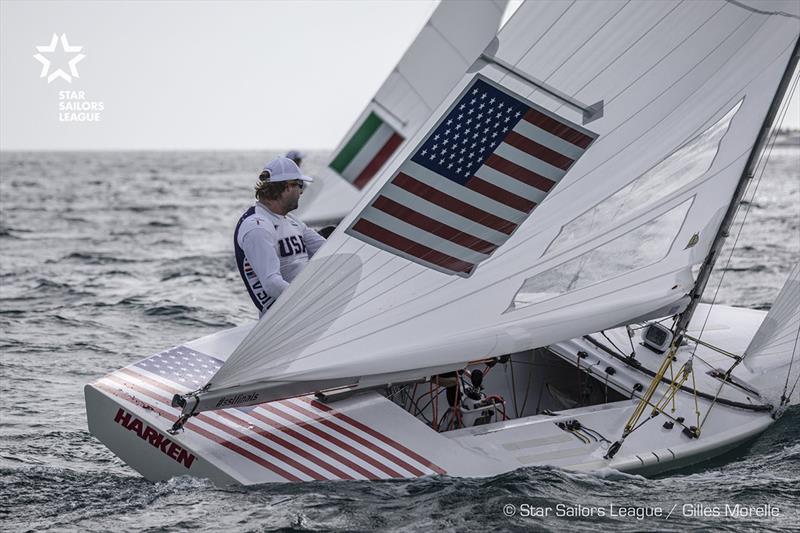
[[202, 75]]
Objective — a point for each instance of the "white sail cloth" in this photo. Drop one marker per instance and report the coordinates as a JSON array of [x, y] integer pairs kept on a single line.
[[774, 353], [448, 43], [670, 75]]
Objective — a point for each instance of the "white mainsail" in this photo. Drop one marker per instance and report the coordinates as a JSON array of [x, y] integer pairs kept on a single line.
[[448, 43], [774, 351], [433, 287]]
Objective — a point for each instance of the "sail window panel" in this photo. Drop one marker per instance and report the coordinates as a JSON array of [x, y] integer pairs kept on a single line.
[[638, 248], [432, 66], [685, 165]]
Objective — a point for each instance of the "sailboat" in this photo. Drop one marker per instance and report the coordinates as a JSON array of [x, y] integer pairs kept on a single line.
[[521, 285], [445, 47]]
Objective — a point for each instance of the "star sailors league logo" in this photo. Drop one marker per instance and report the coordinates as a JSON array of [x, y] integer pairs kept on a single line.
[[50, 53], [473, 181]]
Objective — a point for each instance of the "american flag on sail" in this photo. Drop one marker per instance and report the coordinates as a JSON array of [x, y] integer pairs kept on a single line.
[[491, 160]]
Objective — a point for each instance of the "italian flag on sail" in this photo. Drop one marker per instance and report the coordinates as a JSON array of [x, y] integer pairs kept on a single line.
[[372, 144]]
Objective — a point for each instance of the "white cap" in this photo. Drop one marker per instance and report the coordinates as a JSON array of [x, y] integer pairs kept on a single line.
[[295, 154], [284, 169]]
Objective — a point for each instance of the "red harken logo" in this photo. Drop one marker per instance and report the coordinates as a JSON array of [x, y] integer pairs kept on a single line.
[[154, 437]]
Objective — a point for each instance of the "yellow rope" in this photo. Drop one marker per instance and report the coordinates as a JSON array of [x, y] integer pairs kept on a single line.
[[696, 407], [672, 390], [644, 401]]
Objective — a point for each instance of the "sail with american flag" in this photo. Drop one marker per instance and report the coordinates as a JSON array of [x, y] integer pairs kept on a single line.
[[560, 223], [478, 175]]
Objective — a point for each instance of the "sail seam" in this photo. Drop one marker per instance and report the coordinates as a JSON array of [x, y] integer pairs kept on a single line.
[[542, 36], [584, 43]]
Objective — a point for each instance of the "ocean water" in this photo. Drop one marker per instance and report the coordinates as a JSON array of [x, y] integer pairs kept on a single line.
[[108, 257]]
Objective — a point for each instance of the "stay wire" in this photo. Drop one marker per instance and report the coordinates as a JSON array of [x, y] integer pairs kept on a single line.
[[765, 156], [762, 161]]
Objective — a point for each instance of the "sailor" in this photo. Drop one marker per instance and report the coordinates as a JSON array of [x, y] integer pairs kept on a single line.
[[297, 156], [272, 247]]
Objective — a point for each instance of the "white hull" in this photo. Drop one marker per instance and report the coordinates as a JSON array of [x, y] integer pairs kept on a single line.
[[367, 436]]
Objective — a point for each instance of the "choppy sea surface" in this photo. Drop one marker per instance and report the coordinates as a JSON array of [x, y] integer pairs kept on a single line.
[[108, 257]]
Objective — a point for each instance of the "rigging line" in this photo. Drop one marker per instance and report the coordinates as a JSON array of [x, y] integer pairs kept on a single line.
[[630, 339], [712, 347], [687, 98], [765, 158], [709, 365], [646, 324], [603, 333], [513, 386], [527, 392], [542, 36], [765, 155], [643, 369]]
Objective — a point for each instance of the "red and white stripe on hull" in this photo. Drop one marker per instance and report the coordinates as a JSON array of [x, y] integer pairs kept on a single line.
[[293, 440]]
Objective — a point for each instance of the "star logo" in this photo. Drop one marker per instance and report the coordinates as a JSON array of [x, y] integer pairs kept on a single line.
[[65, 50]]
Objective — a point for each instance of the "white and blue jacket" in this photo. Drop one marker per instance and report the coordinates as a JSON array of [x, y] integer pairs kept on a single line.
[[271, 250]]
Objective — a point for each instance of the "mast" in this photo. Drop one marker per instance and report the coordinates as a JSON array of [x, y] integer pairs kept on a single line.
[[747, 174]]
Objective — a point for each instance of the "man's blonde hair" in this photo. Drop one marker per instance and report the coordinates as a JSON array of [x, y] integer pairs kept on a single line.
[[266, 190]]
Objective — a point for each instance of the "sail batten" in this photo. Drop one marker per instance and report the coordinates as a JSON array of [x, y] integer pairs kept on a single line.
[[691, 81]]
